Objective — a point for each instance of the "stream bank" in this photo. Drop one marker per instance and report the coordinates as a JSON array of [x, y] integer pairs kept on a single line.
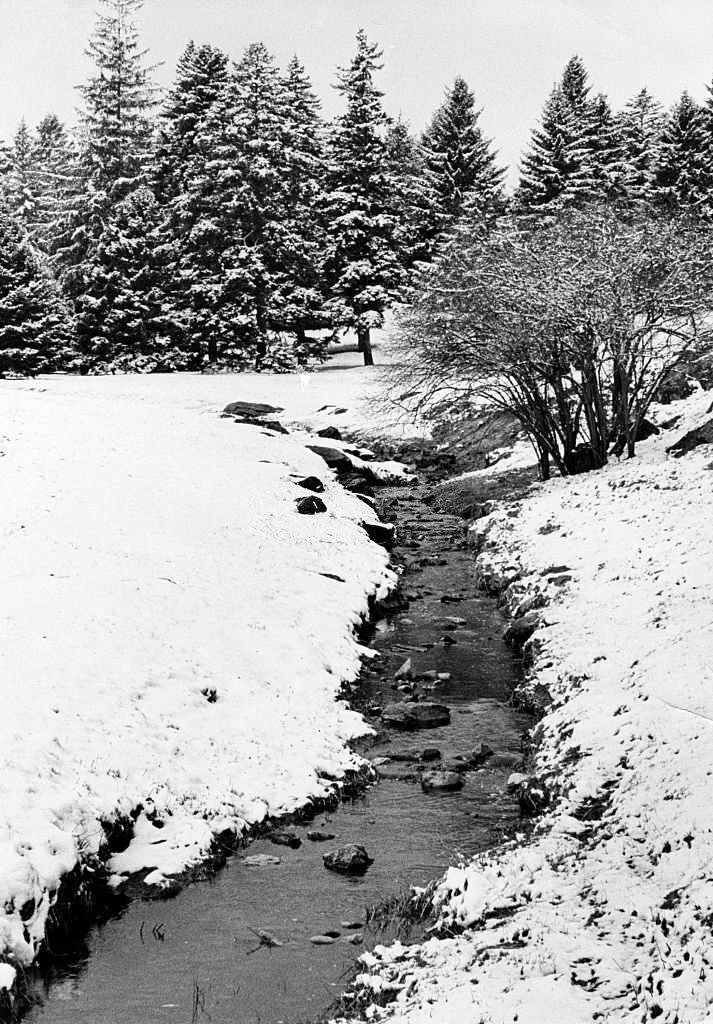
[[198, 955]]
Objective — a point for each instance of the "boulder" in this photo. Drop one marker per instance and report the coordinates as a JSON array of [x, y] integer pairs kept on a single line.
[[416, 715], [330, 433], [334, 457], [320, 837], [694, 438], [359, 485], [380, 533], [480, 756], [273, 425], [311, 483], [286, 839], [251, 410], [646, 430], [533, 797], [519, 630], [348, 860], [260, 860], [310, 505], [322, 940], [431, 754], [444, 780], [505, 759]]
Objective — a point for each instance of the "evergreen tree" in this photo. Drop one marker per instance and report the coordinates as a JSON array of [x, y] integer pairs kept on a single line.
[[416, 205], [553, 159], [640, 125], [201, 75], [54, 159], [683, 177], [574, 155], [299, 293], [21, 184], [362, 265], [605, 152], [459, 157], [34, 332], [123, 322], [229, 209], [119, 99]]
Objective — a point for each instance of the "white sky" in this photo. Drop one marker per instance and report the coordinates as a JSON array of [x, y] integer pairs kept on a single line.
[[509, 51]]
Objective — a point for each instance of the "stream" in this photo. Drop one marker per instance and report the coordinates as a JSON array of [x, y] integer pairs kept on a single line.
[[197, 957]]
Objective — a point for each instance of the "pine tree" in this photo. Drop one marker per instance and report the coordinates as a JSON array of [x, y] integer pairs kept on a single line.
[[640, 125], [123, 321], [229, 210], [416, 205], [552, 161], [21, 185], [682, 177], [34, 320], [54, 158], [298, 278], [459, 158], [574, 155], [119, 99], [201, 75], [605, 152], [362, 264]]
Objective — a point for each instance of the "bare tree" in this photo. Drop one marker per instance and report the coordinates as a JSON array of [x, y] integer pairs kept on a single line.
[[572, 325]]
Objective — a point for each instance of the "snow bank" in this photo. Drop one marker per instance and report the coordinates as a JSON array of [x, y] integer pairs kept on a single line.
[[606, 912], [170, 637]]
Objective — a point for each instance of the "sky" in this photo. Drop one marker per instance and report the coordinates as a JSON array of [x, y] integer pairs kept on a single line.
[[509, 51]]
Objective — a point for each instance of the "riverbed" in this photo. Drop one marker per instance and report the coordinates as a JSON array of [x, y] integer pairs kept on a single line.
[[199, 956]]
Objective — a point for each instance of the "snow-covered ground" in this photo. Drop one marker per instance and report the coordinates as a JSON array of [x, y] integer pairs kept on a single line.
[[606, 913], [151, 553]]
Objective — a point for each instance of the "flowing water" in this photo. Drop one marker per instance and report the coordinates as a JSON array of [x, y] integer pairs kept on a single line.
[[197, 957]]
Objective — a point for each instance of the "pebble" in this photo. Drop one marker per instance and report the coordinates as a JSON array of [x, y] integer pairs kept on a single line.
[[260, 860], [321, 940]]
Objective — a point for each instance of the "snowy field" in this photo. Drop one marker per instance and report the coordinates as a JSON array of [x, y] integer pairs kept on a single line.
[[151, 554], [607, 913]]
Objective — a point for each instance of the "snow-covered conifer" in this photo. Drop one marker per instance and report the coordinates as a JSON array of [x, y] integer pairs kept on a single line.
[[683, 177], [459, 158], [34, 332], [640, 125], [362, 265], [123, 320]]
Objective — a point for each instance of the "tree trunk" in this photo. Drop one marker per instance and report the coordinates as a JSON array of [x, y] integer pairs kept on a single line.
[[364, 336], [212, 350], [544, 464]]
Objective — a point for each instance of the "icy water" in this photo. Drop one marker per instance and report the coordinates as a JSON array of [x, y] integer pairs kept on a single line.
[[202, 963]]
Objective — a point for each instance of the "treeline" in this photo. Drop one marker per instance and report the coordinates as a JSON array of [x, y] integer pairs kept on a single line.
[[228, 225]]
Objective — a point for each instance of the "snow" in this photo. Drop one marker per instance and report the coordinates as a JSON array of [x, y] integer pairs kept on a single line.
[[151, 553], [605, 911]]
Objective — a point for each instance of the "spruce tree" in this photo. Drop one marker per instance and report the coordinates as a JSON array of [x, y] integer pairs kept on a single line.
[[362, 265], [416, 205], [34, 320], [574, 155], [201, 75], [459, 158], [118, 102], [640, 125], [229, 205], [553, 159], [54, 159], [21, 184], [682, 177], [298, 278], [123, 320]]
